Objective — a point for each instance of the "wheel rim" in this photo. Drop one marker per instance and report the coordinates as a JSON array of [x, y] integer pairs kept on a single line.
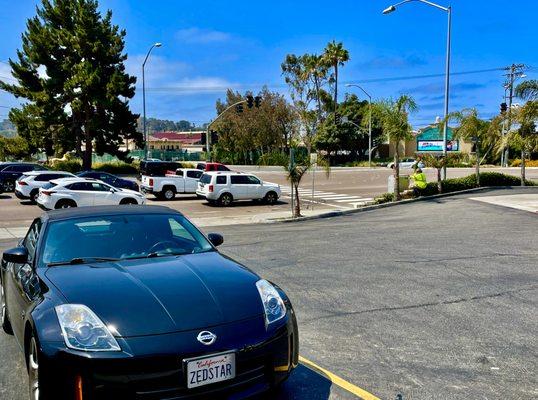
[[33, 371], [226, 200], [271, 198], [2, 305], [65, 205], [10, 186], [168, 194]]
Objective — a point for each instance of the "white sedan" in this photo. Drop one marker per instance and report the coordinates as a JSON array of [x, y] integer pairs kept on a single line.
[[80, 192], [407, 163]]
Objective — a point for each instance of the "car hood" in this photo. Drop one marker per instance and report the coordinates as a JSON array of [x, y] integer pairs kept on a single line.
[[129, 191], [271, 184], [162, 295]]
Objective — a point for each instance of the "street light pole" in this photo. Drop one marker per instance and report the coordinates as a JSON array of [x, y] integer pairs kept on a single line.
[[448, 10], [369, 123], [144, 98]]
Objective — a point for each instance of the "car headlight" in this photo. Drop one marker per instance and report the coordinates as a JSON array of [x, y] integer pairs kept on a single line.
[[83, 330], [272, 302]]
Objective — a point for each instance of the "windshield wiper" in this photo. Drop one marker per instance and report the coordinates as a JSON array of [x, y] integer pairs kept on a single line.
[[82, 260], [155, 255]]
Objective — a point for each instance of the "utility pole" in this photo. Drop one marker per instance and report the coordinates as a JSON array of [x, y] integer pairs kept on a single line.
[[516, 71]]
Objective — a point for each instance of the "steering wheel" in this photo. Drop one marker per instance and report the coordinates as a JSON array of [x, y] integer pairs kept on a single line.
[[162, 243]]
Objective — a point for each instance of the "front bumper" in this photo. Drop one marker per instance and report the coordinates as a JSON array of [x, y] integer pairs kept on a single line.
[[151, 367]]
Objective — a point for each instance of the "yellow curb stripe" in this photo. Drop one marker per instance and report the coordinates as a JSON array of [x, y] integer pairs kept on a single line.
[[351, 388]]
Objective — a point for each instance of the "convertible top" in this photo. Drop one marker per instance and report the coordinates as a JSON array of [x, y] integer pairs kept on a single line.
[[81, 212]]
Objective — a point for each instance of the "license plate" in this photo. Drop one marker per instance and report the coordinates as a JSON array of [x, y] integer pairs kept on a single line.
[[206, 370]]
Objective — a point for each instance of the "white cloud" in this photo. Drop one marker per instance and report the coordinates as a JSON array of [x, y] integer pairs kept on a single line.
[[5, 73], [202, 36], [159, 70]]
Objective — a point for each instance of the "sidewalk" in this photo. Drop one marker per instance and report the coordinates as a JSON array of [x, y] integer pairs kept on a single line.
[[16, 232]]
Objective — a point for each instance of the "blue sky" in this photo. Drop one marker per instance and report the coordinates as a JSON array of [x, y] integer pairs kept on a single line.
[[210, 45]]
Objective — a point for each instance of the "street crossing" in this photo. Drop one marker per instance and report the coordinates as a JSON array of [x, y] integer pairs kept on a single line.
[[339, 199]]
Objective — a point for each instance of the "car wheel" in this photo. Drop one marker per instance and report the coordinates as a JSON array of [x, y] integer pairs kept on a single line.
[[65, 204], [271, 198], [6, 325], [128, 202], [33, 370], [33, 195], [168, 193], [226, 199], [9, 186]]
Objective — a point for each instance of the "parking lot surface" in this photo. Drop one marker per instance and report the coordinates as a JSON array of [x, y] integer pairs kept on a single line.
[[427, 300]]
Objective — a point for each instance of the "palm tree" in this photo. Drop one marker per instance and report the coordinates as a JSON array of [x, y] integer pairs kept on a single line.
[[523, 137], [394, 117], [528, 90], [335, 55], [471, 128], [315, 70]]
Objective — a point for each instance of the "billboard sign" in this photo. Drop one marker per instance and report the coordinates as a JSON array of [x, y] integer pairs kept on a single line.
[[437, 145]]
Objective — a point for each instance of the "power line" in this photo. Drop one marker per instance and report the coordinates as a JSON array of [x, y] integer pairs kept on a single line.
[[283, 85]]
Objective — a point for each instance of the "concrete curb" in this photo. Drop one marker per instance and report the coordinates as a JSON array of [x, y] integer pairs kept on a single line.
[[391, 204]]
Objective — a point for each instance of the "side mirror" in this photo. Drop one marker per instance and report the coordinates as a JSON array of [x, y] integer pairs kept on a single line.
[[17, 255], [216, 239], [112, 190]]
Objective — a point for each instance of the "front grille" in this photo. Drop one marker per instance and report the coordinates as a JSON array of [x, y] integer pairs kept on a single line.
[[171, 384]]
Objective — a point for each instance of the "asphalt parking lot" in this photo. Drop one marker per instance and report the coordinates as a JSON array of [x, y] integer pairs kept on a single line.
[[429, 300]]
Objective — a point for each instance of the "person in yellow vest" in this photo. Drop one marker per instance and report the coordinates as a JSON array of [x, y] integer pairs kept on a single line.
[[419, 181]]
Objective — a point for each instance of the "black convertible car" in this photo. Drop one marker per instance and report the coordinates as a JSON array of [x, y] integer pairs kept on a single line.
[[135, 302]]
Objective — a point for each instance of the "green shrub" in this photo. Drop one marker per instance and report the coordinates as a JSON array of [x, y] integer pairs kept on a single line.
[[117, 168], [72, 166], [274, 158], [384, 198]]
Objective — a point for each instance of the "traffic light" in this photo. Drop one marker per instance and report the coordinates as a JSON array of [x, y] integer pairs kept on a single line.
[[214, 137], [250, 101], [257, 101], [204, 138], [239, 108], [504, 107]]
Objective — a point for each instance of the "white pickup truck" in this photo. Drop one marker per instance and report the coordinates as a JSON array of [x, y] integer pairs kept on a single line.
[[184, 180]]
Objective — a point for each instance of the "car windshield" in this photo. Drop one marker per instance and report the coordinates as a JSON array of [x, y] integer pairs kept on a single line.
[[121, 237]]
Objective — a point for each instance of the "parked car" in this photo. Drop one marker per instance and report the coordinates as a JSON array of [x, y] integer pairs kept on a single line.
[[28, 185], [11, 171], [80, 192], [112, 180], [211, 166], [226, 187], [157, 168], [143, 306], [407, 163], [183, 180]]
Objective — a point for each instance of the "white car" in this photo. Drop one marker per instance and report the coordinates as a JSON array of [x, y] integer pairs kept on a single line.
[[184, 180], [80, 192], [226, 187], [407, 163], [28, 185]]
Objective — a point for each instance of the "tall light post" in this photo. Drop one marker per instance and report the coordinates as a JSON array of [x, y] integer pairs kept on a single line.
[[448, 10], [144, 98], [369, 122]]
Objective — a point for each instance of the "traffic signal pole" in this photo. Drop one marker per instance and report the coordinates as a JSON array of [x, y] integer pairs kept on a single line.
[[208, 137]]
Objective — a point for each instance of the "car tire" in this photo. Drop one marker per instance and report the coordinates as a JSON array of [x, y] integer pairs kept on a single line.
[[65, 204], [33, 195], [129, 201], [168, 193], [271, 198], [4, 320], [35, 378], [9, 186], [226, 199]]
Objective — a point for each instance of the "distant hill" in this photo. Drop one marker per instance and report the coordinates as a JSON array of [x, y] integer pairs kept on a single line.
[[7, 129], [164, 125]]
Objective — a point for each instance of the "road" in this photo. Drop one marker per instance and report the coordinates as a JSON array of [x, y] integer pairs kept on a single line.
[[431, 299], [343, 188]]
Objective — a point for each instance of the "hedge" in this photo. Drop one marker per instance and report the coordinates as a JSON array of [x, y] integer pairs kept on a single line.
[[467, 182], [117, 168]]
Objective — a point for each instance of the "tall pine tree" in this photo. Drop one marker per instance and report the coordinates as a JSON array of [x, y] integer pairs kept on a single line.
[[71, 72]]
